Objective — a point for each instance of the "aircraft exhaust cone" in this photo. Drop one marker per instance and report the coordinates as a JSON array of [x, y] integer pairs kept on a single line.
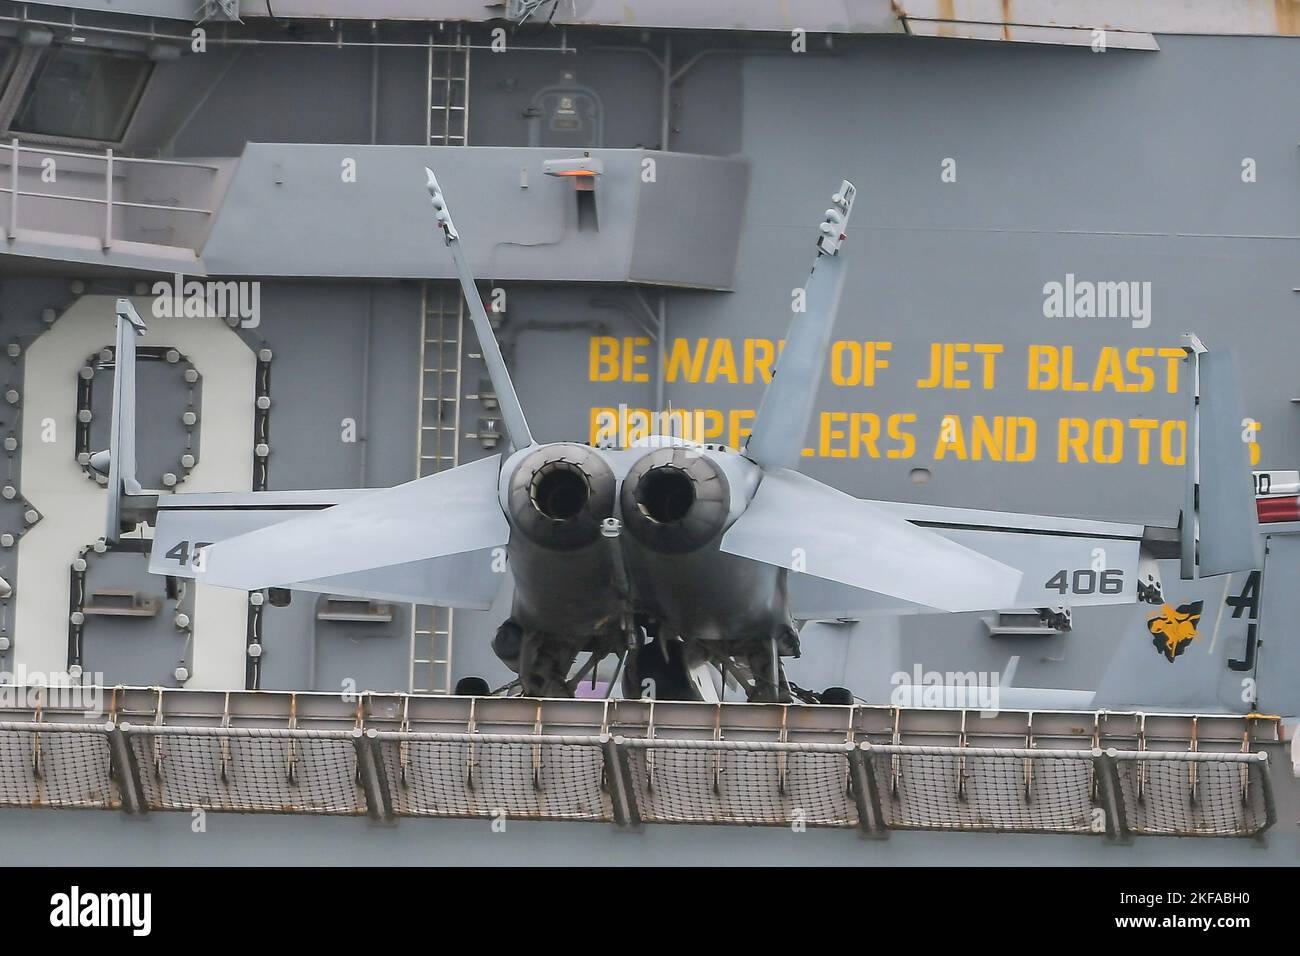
[[665, 495], [559, 495], [559, 490], [675, 500]]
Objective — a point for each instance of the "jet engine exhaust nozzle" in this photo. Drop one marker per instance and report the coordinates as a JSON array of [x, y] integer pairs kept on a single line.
[[559, 495], [675, 500]]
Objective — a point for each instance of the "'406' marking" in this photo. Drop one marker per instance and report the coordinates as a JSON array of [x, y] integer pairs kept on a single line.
[[1086, 581]]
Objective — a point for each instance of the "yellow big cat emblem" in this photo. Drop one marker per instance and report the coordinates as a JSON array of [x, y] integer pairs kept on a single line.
[[1172, 630]]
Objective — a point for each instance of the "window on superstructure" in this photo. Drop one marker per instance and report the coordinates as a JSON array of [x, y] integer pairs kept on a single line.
[[82, 94]]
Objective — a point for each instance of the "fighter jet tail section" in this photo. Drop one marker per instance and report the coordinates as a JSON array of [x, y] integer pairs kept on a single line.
[[434, 540], [782, 420], [512, 412]]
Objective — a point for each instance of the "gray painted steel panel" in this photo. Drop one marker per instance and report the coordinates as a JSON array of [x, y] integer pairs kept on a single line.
[[168, 9], [60, 837], [817, 15], [846, 16], [290, 210], [1274, 615]]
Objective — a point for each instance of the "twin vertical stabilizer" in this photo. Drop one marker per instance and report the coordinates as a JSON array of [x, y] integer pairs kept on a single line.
[[782, 420], [512, 412]]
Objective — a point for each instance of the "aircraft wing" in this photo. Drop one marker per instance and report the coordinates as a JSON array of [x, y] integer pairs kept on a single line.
[[798, 523], [187, 523], [431, 541], [1069, 562]]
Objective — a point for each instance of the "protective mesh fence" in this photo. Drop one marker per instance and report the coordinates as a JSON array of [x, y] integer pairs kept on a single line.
[[1206, 798], [301, 772], [54, 769], [486, 779], [250, 774], [742, 786], [985, 792]]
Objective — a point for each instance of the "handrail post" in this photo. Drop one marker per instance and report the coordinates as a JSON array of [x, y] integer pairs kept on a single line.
[[618, 775], [374, 782], [13, 192], [1111, 794], [108, 208], [865, 790], [126, 769]]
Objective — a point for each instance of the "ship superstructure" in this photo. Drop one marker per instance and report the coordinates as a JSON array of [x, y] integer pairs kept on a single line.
[[1044, 209]]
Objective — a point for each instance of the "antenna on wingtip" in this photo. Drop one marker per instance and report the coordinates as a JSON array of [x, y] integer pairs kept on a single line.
[[836, 219], [440, 208]]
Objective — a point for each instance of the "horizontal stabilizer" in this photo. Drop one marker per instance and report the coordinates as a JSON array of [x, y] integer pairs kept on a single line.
[[181, 533], [470, 580], [1064, 562], [799, 523], [187, 524], [452, 512]]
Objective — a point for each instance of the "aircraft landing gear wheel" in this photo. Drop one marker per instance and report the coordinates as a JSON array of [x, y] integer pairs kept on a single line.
[[508, 643], [837, 695], [472, 687]]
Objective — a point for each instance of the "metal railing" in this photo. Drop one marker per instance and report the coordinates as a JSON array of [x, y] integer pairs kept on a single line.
[[641, 762], [112, 163]]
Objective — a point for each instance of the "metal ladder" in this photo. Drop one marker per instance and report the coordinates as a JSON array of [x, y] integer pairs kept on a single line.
[[442, 323], [447, 96], [442, 320]]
